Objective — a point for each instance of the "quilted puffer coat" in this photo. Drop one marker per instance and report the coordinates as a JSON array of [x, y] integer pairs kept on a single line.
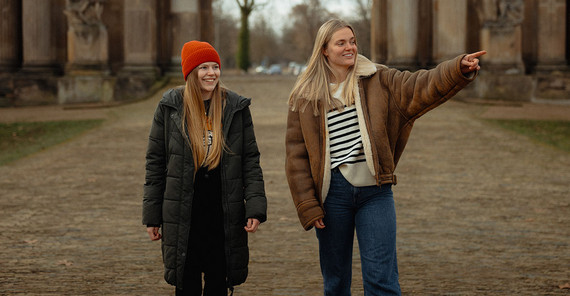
[[169, 188]]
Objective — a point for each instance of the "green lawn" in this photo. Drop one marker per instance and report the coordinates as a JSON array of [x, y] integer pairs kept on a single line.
[[553, 133], [20, 139]]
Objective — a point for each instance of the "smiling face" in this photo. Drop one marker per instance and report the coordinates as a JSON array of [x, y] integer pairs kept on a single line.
[[208, 76], [341, 51]]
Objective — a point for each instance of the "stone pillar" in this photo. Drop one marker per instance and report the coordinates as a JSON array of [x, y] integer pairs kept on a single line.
[[503, 72], [87, 69], [378, 31], [402, 33], [425, 34], [36, 82], [38, 51], [140, 36], [140, 69], [501, 35], [206, 21], [449, 29], [551, 48], [10, 35], [185, 21], [87, 39], [552, 75]]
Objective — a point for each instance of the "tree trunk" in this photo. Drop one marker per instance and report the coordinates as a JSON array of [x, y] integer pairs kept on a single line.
[[243, 61], [206, 21]]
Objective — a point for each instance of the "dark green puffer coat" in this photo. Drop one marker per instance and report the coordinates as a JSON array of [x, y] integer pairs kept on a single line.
[[169, 188]]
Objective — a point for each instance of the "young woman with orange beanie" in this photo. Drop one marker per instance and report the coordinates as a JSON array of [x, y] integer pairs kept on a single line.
[[204, 185]]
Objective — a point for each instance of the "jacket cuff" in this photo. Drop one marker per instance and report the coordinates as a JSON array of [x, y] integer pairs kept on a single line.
[[309, 214]]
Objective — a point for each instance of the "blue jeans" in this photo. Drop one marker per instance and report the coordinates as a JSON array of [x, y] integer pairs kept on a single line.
[[370, 210]]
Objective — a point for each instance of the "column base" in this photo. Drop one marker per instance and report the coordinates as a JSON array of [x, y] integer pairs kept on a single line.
[[85, 88], [498, 86], [553, 86], [135, 82]]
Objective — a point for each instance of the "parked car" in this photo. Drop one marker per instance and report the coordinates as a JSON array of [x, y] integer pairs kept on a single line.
[[274, 69], [260, 69]]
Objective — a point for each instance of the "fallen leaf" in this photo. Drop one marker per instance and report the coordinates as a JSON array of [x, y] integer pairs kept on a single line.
[[31, 241], [565, 286], [64, 262]]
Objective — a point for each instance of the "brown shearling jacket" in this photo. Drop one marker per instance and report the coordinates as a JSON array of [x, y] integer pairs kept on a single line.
[[389, 103]]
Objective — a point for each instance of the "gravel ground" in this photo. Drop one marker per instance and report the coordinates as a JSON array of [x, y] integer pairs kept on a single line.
[[481, 210]]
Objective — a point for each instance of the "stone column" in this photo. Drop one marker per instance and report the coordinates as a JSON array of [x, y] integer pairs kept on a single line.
[[551, 48], [36, 81], [402, 33], [87, 39], [378, 31], [501, 35], [140, 36], [503, 72], [87, 69], [552, 71], [38, 51], [185, 21], [206, 21], [140, 69], [449, 29], [10, 35]]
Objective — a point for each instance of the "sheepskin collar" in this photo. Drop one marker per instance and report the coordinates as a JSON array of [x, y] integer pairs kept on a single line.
[[365, 67]]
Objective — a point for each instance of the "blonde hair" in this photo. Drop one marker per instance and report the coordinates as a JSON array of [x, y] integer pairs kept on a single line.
[[312, 85], [196, 122]]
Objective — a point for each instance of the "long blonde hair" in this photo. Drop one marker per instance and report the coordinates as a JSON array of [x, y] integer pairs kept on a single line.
[[312, 85], [196, 122]]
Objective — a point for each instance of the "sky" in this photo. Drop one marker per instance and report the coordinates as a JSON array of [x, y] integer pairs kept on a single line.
[[279, 9]]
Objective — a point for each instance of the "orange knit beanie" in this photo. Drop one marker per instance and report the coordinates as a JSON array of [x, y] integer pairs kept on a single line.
[[195, 53]]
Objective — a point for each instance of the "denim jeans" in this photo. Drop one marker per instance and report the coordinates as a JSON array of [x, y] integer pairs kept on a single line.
[[370, 210]]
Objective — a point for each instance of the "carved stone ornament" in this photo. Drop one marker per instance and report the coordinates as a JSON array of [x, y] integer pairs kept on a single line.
[[84, 18], [505, 14]]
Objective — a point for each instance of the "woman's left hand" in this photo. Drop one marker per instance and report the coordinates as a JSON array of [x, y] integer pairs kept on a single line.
[[252, 225], [470, 62]]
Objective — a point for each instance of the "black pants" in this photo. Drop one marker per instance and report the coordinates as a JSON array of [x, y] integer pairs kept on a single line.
[[206, 252]]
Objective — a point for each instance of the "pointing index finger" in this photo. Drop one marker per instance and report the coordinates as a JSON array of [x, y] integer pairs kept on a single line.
[[477, 54]]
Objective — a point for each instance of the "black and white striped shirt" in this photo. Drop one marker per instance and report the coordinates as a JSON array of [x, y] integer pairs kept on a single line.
[[344, 137]]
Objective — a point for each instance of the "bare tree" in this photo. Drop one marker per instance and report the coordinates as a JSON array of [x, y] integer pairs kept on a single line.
[[361, 24], [306, 19], [206, 21], [264, 43], [246, 8], [225, 35]]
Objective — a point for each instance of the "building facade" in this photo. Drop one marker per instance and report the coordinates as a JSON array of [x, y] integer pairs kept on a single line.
[[108, 51], [526, 40], [84, 51]]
